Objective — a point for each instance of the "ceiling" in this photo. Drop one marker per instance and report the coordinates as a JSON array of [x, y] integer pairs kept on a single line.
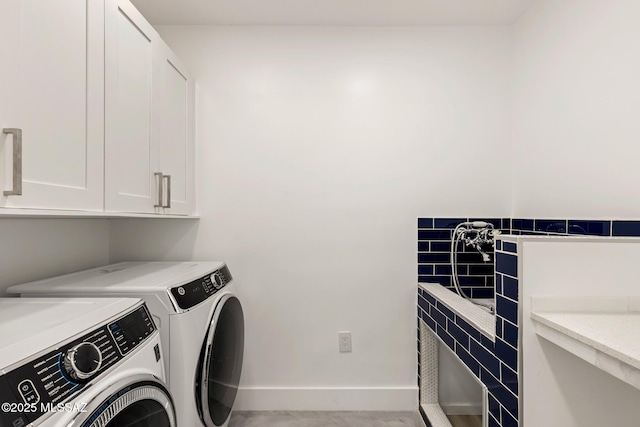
[[332, 12]]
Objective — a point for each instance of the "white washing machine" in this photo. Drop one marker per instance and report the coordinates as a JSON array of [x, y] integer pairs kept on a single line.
[[81, 362], [200, 320]]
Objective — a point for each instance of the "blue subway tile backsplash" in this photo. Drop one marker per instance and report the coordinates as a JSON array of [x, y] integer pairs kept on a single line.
[[493, 362], [509, 334], [626, 228], [508, 247], [459, 335], [507, 354], [434, 256], [441, 246], [592, 228], [486, 358], [481, 270], [508, 308], [434, 235], [574, 227], [425, 222], [468, 360], [497, 222], [444, 270], [507, 264], [446, 338], [550, 225], [494, 406], [443, 280], [508, 420], [424, 247], [522, 224], [448, 222], [482, 293], [425, 269], [509, 287], [509, 378]]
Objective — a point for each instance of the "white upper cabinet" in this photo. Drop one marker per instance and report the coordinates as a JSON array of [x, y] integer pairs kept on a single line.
[[9, 91], [174, 127], [130, 144], [96, 112], [149, 119], [52, 83]]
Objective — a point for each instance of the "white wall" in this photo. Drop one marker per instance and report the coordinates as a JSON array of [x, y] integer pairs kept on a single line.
[[318, 148], [575, 110], [32, 249]]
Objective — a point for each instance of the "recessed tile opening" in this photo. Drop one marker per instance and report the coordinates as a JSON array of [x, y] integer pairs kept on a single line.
[[440, 370]]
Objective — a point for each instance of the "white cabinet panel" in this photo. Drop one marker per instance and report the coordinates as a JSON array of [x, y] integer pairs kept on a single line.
[[59, 102], [175, 134], [9, 91], [130, 144]]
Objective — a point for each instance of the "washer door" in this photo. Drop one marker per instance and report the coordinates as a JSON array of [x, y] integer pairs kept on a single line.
[[221, 362], [140, 401]]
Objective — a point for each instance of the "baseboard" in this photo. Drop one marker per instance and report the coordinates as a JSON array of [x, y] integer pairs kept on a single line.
[[461, 408], [327, 399]]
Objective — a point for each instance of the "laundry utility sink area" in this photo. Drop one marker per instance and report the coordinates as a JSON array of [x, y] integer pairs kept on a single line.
[[383, 213]]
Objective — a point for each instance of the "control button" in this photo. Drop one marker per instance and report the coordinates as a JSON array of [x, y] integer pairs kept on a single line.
[[217, 280], [181, 291], [28, 392], [156, 350], [18, 422], [82, 361]]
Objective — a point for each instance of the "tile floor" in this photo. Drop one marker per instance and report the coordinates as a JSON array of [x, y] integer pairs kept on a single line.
[[325, 419]]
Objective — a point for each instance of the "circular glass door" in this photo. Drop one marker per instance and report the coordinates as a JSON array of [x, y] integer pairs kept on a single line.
[[142, 413], [221, 362], [141, 404]]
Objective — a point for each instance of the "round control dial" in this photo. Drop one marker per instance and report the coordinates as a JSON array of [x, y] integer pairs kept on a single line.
[[217, 280], [82, 361]]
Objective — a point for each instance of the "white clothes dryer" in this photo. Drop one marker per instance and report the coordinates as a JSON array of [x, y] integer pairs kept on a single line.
[[201, 326], [81, 362]]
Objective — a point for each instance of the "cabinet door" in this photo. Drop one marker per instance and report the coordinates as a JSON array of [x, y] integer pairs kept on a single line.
[[175, 124], [9, 91], [131, 63], [56, 99]]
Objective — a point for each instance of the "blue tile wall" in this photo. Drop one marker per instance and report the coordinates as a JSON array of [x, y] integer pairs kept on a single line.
[[592, 228], [476, 276], [626, 228], [575, 226], [434, 256], [494, 363]]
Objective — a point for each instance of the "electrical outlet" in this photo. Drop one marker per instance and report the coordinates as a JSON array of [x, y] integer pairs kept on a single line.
[[344, 341]]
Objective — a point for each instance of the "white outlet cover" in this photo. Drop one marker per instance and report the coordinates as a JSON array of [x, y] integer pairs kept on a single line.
[[344, 341]]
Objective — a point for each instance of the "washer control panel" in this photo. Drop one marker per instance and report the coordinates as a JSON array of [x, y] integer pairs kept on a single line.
[[38, 386], [193, 293]]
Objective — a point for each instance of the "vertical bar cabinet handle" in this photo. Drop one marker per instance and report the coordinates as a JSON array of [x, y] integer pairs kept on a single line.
[[168, 177], [17, 161], [159, 176]]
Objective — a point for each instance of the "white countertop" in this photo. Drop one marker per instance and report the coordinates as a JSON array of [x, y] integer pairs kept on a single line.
[[611, 333], [602, 331]]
